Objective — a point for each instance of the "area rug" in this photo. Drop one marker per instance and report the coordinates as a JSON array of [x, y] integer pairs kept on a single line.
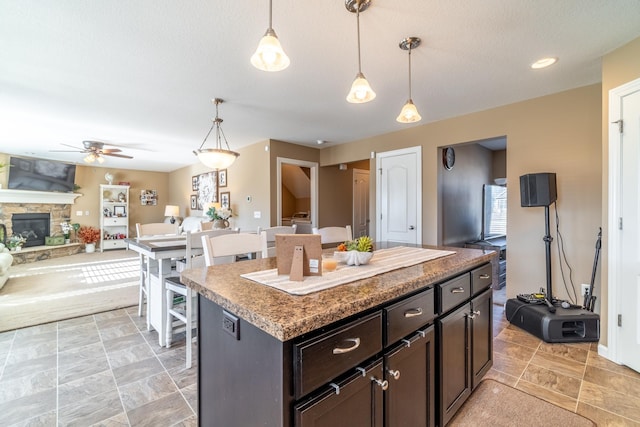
[[66, 287], [495, 404]]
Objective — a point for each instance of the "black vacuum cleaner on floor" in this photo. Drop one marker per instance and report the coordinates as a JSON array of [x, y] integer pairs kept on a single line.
[[540, 314]]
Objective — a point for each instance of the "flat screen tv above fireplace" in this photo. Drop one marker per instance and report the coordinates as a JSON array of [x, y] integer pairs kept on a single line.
[[42, 175]]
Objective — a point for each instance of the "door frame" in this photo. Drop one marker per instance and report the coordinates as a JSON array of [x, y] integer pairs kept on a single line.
[[614, 207], [354, 174], [417, 150], [313, 166]]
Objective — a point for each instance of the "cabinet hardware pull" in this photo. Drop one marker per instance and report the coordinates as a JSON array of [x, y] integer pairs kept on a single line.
[[413, 312], [337, 387], [395, 374], [484, 276], [383, 384], [407, 342], [356, 344], [473, 314], [459, 290]]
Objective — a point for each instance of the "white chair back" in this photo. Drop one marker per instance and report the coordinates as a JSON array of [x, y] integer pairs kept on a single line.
[[224, 249], [270, 236], [157, 229], [334, 234], [194, 242]]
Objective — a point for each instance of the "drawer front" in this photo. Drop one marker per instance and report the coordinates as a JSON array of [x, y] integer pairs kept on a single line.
[[481, 278], [114, 244], [115, 221], [408, 315], [454, 292], [323, 358]]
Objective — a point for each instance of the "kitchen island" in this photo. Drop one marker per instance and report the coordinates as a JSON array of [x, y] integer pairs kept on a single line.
[[269, 358]]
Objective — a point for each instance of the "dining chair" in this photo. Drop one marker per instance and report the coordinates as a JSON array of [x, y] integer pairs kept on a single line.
[[150, 230], [334, 234], [180, 299], [271, 236], [205, 225], [227, 248]]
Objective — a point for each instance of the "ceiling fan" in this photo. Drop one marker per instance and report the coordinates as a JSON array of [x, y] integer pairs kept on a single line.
[[95, 151]]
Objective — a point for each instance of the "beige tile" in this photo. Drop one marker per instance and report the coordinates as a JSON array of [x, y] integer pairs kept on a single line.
[[76, 321], [604, 418], [557, 399], [92, 410], [86, 387], [123, 342], [146, 390], [78, 336], [559, 364], [611, 400], [520, 337], [27, 367], [552, 380], [27, 407], [512, 350], [567, 351], [598, 361], [618, 382], [501, 377], [27, 385], [508, 365], [136, 371], [81, 362], [190, 393], [119, 420], [130, 355]]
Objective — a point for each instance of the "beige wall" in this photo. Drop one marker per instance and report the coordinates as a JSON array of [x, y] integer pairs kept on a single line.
[[557, 133], [618, 67]]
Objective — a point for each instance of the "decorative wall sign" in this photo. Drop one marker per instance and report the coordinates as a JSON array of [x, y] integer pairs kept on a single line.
[[148, 197], [225, 200], [222, 178], [207, 189]]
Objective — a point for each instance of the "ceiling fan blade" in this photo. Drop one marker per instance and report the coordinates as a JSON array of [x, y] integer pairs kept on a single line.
[[110, 150], [66, 151], [118, 155]]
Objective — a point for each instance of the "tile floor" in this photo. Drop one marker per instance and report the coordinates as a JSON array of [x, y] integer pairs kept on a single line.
[[107, 370]]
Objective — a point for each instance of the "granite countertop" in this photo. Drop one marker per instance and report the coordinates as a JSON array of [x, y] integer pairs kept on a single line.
[[286, 316]]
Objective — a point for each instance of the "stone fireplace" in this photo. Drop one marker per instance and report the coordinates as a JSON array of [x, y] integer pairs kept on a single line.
[[32, 226]]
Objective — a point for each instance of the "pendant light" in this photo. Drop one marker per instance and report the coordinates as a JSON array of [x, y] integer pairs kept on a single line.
[[409, 113], [216, 158], [269, 55], [360, 91]]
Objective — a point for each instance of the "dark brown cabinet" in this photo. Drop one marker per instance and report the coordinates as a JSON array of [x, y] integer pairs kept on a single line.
[[410, 372], [465, 344]]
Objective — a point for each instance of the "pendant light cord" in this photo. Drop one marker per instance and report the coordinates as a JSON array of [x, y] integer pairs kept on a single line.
[[216, 124], [358, 26], [409, 71], [270, 14]]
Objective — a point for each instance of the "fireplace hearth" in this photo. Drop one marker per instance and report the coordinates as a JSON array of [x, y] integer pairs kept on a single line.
[[32, 226]]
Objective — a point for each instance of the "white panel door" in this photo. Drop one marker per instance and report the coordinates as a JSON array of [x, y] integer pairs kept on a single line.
[[399, 180], [629, 284], [360, 203]]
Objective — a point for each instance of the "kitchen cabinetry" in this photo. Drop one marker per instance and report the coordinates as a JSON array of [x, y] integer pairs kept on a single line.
[[464, 336], [114, 220], [378, 367], [498, 244]]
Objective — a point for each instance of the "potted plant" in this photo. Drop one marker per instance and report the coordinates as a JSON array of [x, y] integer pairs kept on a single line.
[[220, 216], [89, 236], [355, 252], [66, 230], [15, 242]]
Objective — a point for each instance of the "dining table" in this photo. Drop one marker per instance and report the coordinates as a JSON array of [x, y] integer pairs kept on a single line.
[[159, 252]]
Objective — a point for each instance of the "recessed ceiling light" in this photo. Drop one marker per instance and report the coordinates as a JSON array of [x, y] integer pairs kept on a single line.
[[321, 141], [544, 62]]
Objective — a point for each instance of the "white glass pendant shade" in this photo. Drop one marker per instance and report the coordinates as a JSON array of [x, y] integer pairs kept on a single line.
[[409, 113], [360, 91], [269, 55], [216, 158]]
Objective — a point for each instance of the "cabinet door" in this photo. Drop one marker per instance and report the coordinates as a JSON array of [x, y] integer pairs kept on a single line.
[[454, 360], [410, 371], [482, 335], [356, 401]]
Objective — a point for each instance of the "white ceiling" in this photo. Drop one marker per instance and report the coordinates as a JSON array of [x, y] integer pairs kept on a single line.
[[142, 73]]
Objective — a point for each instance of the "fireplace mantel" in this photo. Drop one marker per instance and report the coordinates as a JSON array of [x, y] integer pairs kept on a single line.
[[27, 196]]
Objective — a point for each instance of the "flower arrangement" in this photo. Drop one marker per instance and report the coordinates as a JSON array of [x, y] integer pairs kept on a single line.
[[88, 234], [221, 213], [361, 244], [16, 241], [66, 229]]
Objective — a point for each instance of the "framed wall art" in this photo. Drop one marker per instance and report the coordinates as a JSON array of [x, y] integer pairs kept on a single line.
[[222, 178], [225, 200], [207, 189], [148, 197], [194, 202], [194, 183]]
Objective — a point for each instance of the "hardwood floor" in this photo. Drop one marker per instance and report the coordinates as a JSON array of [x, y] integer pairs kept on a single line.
[[107, 370]]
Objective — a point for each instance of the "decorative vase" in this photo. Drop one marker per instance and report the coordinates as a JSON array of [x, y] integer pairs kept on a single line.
[[220, 223], [90, 248], [353, 257]]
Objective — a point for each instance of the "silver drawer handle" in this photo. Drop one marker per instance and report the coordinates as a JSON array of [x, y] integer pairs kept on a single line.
[[395, 374], [413, 312], [356, 344], [473, 314], [459, 290], [383, 384], [484, 276]]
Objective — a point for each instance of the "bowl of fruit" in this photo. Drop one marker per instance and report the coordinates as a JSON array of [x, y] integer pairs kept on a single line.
[[355, 252]]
